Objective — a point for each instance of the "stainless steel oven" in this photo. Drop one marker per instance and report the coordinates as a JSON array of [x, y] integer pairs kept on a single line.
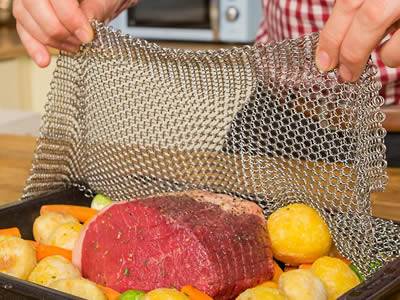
[[195, 20]]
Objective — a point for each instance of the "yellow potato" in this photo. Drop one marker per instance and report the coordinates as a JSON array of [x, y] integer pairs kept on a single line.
[[53, 268], [302, 284], [17, 257], [44, 225], [165, 294], [336, 275], [261, 293], [65, 235], [79, 287], [298, 234]]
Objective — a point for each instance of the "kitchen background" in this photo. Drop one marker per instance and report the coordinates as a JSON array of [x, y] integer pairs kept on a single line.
[[196, 24]]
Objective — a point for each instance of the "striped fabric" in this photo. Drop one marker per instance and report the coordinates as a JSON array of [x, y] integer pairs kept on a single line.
[[293, 18]]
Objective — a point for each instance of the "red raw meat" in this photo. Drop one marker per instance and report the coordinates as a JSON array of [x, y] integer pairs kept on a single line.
[[210, 241]]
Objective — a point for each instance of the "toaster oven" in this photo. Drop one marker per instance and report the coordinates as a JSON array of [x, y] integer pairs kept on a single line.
[[195, 20]]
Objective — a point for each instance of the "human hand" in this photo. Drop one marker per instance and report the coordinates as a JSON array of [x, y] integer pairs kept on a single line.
[[354, 29], [61, 24]]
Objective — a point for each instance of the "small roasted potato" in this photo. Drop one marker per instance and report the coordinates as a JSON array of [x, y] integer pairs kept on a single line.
[[302, 284], [65, 235], [299, 235], [336, 275], [17, 257], [44, 225], [79, 287], [53, 268]]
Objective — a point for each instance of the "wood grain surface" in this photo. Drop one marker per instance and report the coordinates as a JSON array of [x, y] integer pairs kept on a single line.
[[16, 157]]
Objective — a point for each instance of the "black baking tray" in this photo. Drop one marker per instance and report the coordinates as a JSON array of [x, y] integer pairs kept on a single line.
[[22, 214], [385, 284]]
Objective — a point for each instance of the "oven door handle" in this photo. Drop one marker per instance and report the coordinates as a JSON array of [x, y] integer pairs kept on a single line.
[[214, 18]]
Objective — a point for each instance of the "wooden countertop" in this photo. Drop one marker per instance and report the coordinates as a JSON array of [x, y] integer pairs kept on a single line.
[[16, 156]]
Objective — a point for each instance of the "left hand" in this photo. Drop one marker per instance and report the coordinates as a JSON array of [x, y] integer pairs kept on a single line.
[[354, 29]]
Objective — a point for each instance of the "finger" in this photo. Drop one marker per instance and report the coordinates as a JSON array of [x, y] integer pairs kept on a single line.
[[333, 33], [26, 21], [73, 19], [36, 50], [42, 12], [366, 31], [390, 52], [97, 9]]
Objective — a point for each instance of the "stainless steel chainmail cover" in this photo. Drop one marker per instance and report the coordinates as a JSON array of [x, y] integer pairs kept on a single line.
[[128, 118]]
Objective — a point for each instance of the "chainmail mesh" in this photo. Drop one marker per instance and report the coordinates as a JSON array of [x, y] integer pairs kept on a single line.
[[128, 118]]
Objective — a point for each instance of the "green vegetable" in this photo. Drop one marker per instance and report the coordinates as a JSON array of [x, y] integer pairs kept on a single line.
[[100, 201], [375, 265], [357, 271], [132, 295]]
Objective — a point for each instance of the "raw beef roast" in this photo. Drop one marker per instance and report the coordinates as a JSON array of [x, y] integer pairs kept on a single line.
[[211, 241]]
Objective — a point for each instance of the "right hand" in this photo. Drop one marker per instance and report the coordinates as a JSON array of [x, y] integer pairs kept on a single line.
[[60, 24]]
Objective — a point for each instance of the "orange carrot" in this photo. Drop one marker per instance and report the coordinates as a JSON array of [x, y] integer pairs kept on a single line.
[[277, 272], [195, 294], [271, 284], [109, 292], [88, 220], [13, 231], [43, 251], [305, 266], [82, 213]]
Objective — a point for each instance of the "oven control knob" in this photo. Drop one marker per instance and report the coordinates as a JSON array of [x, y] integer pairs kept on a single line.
[[232, 14]]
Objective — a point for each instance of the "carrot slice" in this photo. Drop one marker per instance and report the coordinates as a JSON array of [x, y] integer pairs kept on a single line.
[[82, 213], [277, 272], [12, 231], [109, 292], [43, 251], [195, 294], [305, 266]]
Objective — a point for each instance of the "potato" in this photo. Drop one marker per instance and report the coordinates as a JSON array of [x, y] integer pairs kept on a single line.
[[165, 294], [79, 287], [336, 275], [53, 268], [298, 234], [65, 235], [17, 257], [44, 225], [261, 293], [302, 285]]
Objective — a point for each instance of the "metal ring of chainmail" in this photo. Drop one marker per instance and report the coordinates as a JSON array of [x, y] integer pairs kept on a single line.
[[128, 118]]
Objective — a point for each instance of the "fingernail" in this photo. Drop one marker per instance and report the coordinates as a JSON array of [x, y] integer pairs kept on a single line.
[[85, 36], [345, 73], [323, 61]]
